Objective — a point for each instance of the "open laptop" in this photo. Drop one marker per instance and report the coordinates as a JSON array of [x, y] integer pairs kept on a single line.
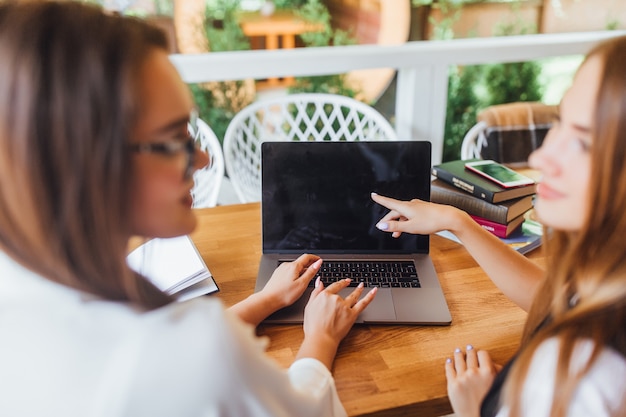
[[316, 199]]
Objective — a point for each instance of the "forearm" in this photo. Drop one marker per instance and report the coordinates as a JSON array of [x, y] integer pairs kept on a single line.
[[516, 276], [323, 349], [255, 308]]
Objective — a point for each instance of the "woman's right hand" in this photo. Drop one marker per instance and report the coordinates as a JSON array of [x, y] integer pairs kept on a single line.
[[415, 216], [328, 318]]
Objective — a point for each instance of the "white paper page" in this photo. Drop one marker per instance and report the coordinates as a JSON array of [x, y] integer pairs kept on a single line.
[[168, 262]]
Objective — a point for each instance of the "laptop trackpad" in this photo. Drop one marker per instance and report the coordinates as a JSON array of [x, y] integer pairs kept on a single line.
[[380, 309]]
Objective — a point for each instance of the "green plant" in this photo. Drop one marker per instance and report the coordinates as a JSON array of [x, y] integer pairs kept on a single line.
[[315, 11], [218, 102], [164, 7], [462, 107], [472, 88]]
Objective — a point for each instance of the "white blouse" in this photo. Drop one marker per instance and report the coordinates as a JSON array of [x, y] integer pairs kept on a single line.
[[67, 353], [600, 393]]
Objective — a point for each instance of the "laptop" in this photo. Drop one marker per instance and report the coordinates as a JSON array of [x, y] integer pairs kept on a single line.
[[316, 199]]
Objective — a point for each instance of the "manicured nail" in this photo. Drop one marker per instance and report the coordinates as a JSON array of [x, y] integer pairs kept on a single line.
[[360, 285], [469, 347], [317, 264], [382, 226], [374, 194], [448, 360], [457, 350], [317, 281]]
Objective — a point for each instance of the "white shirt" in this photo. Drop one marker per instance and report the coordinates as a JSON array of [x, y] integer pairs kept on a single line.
[[600, 393], [67, 353]]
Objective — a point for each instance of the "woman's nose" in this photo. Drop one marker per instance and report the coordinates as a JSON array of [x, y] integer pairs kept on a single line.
[[543, 159], [202, 159]]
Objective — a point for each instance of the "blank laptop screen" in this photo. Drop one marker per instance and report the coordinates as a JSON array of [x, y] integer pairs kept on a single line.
[[316, 195]]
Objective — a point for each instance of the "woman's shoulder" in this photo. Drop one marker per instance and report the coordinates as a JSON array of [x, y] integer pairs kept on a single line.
[[599, 392], [549, 350]]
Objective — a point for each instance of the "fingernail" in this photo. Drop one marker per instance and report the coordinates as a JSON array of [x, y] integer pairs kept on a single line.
[[470, 347], [317, 264], [448, 360], [457, 350], [347, 279], [373, 194], [360, 285], [317, 281], [382, 226]]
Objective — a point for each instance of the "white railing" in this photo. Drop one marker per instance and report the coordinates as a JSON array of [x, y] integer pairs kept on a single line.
[[422, 69]]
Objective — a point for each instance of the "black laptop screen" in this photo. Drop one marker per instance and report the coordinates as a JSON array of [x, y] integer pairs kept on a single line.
[[316, 195]]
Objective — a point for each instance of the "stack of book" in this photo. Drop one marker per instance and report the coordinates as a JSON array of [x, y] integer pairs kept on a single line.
[[497, 209]]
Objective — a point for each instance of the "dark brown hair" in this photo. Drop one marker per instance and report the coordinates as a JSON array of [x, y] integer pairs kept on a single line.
[[584, 295], [67, 106]]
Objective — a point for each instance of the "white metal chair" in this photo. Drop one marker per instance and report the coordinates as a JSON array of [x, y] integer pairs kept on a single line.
[[508, 133], [208, 180], [295, 117]]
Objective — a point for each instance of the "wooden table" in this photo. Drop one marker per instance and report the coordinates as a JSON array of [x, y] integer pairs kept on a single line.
[[380, 370], [278, 30]]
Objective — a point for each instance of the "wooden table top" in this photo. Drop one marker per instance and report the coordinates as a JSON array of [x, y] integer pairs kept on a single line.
[[380, 370]]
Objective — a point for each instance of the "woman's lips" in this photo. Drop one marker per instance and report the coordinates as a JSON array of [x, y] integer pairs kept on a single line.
[[546, 192], [188, 200]]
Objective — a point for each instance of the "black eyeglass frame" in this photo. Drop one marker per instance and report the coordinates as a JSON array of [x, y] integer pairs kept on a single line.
[[172, 148]]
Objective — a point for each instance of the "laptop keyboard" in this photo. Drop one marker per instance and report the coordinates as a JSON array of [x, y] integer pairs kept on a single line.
[[382, 274]]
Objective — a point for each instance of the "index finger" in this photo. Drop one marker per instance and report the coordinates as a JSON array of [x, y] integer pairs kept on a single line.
[[305, 260], [365, 301], [390, 203]]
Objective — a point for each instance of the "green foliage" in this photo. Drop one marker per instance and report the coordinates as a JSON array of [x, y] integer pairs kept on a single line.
[[472, 88], [289, 4], [511, 82], [164, 7], [218, 102], [316, 11], [462, 107], [221, 29]]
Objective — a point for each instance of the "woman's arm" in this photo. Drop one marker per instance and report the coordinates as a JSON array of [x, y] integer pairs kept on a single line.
[[515, 275], [287, 284], [328, 318]]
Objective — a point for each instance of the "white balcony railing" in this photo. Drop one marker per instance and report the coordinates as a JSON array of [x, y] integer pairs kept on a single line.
[[422, 67]]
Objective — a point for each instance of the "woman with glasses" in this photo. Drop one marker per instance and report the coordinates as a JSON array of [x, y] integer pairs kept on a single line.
[[572, 360], [95, 148]]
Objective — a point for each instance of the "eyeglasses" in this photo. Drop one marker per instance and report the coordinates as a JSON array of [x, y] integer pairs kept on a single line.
[[175, 147]]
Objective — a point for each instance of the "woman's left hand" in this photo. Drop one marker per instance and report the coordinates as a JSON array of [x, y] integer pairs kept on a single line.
[[470, 375], [287, 284], [290, 279]]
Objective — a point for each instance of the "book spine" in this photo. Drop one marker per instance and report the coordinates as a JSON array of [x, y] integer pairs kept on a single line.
[[470, 204], [497, 229], [461, 184]]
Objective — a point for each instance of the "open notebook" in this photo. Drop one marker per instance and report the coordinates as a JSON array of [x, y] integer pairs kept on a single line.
[[174, 266]]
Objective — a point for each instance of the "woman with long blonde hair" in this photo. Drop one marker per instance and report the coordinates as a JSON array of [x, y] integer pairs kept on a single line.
[[572, 361]]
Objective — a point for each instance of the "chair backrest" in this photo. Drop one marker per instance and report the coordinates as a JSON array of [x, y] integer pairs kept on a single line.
[[295, 117], [508, 133], [208, 180]]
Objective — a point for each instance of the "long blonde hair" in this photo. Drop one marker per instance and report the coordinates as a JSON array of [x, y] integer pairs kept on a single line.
[[67, 106], [584, 294]]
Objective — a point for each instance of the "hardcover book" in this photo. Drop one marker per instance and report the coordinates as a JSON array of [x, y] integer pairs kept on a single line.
[[443, 193], [454, 173], [523, 241], [499, 229]]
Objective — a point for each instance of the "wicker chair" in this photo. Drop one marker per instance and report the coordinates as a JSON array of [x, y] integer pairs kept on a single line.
[[295, 117], [208, 180], [508, 133]]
